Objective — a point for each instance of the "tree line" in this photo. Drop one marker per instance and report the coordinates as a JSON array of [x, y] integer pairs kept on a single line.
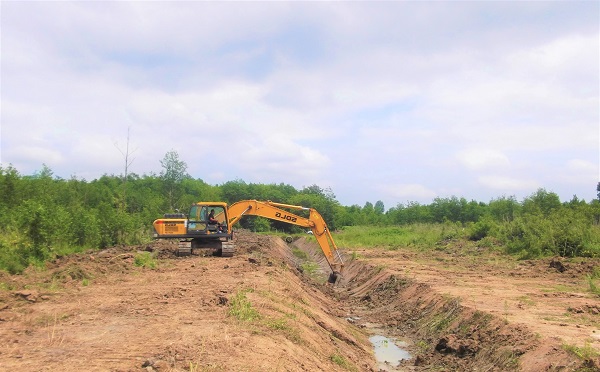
[[43, 216]]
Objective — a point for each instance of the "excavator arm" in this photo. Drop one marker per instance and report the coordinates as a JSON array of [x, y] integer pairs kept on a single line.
[[315, 222]]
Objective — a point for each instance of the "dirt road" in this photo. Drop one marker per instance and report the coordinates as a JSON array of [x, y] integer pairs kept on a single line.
[[256, 312]]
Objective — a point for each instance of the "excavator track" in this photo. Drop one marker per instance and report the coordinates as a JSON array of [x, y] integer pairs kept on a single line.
[[220, 248], [184, 248], [227, 249]]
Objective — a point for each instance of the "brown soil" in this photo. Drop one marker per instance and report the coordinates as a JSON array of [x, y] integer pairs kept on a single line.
[[458, 308]]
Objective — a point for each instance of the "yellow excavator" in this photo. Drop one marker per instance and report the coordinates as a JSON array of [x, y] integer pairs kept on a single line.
[[209, 225]]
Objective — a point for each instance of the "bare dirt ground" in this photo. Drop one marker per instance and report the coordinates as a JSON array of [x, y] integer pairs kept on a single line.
[[257, 312], [549, 295]]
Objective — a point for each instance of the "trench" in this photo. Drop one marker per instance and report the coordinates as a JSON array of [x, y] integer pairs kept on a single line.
[[412, 327]]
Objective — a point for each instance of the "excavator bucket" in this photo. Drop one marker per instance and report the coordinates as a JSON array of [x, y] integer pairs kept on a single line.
[[334, 277]]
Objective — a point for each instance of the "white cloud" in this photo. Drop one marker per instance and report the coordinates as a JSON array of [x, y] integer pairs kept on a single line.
[[276, 158], [406, 191], [579, 165], [508, 184], [582, 172], [571, 60], [23, 155], [483, 159]]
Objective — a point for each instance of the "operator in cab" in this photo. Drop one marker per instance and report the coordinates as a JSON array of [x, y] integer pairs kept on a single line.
[[213, 221], [211, 218]]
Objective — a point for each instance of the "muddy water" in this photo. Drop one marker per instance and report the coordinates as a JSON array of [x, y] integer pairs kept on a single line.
[[388, 353]]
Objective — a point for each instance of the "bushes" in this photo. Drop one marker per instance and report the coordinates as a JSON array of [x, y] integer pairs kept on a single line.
[[542, 226], [563, 232], [85, 227], [481, 228], [37, 230], [12, 258]]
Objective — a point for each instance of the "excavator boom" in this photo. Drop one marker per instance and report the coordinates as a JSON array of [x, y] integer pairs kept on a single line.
[[274, 211]]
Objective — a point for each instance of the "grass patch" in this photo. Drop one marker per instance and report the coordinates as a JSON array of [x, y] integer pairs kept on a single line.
[[586, 352], [420, 236], [6, 286], [355, 256], [297, 252], [282, 325], [342, 362], [310, 268], [314, 271], [241, 308], [379, 268], [593, 286], [441, 321], [592, 279], [526, 300], [560, 288], [509, 359], [145, 259]]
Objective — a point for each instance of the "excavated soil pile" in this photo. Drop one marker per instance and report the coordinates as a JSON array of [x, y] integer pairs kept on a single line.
[[143, 308]]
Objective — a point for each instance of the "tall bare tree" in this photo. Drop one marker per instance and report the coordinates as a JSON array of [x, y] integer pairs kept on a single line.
[[128, 162]]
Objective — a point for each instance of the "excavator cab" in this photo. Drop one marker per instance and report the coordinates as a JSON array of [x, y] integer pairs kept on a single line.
[[199, 221]]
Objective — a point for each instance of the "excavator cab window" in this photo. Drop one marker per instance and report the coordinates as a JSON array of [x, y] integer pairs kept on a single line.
[[196, 222]]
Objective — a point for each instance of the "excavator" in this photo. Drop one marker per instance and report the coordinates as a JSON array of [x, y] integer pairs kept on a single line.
[[209, 225]]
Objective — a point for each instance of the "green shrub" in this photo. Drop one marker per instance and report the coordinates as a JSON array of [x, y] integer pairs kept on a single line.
[[481, 229], [12, 260]]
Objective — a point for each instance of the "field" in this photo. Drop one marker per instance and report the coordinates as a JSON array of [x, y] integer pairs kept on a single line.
[[454, 307]]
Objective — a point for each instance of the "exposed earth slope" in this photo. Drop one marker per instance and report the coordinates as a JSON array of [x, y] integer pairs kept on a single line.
[[257, 312]]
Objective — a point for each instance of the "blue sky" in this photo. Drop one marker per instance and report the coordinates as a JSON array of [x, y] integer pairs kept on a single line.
[[391, 101]]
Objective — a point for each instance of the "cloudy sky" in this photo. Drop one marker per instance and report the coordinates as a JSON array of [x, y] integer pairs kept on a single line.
[[392, 101]]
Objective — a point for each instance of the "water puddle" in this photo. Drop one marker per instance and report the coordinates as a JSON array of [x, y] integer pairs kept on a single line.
[[387, 352]]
